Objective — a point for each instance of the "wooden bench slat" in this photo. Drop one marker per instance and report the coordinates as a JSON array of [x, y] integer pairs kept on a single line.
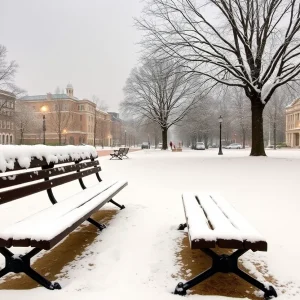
[[20, 192], [229, 228], [60, 219], [25, 177], [252, 239], [200, 233], [226, 234]]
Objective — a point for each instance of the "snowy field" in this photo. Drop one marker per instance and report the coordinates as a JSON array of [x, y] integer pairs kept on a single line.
[[135, 258]]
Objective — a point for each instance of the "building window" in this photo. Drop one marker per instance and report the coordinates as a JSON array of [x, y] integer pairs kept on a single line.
[[12, 125], [80, 117], [4, 124], [8, 125], [11, 139]]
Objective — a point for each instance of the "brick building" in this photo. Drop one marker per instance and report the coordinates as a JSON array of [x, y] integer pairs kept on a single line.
[[68, 120], [293, 124], [7, 111]]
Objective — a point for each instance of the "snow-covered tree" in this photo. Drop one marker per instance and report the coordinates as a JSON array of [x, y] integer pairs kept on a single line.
[[253, 45], [25, 119], [160, 92]]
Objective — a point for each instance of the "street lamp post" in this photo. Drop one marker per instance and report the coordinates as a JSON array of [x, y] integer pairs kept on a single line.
[[220, 144], [43, 110], [148, 142], [125, 138], [65, 133]]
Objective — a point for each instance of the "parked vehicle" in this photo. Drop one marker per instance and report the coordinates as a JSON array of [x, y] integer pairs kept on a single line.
[[200, 146], [145, 145], [234, 146], [159, 146]]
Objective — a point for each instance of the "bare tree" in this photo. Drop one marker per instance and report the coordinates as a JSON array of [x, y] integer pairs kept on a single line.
[[160, 92], [275, 114], [100, 127], [253, 46], [241, 117], [25, 120], [7, 75], [198, 124], [60, 114]]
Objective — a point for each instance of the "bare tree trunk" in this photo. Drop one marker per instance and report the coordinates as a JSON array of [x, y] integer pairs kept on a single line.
[[21, 139], [274, 135], [244, 138], [164, 138], [206, 140], [59, 138], [258, 148], [155, 140]]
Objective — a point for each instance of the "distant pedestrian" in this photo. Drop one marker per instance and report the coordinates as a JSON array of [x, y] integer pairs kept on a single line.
[[171, 145]]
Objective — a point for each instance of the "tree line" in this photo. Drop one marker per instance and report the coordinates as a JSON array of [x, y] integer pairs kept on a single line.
[[249, 48]]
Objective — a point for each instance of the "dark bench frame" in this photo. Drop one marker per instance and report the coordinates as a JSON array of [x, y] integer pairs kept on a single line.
[[21, 263], [120, 153], [224, 263]]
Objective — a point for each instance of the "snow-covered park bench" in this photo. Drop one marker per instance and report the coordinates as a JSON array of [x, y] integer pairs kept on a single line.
[[120, 153], [48, 167], [212, 222]]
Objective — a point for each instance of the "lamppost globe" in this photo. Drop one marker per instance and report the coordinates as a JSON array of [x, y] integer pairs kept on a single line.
[[220, 142], [44, 108]]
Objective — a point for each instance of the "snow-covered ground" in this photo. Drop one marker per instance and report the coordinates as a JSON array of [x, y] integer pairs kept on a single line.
[[136, 256]]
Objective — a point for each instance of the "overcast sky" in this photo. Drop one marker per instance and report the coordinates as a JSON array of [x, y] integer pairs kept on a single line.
[[89, 43]]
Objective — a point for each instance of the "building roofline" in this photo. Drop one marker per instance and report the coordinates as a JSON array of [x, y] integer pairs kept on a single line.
[[6, 93]]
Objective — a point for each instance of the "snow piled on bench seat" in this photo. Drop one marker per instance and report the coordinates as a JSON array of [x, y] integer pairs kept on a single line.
[[246, 230], [227, 223], [196, 219], [24, 154], [48, 223]]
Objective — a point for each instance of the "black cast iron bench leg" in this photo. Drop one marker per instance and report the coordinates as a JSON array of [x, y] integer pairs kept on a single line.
[[182, 226], [224, 264], [269, 293], [97, 224], [21, 263], [117, 204]]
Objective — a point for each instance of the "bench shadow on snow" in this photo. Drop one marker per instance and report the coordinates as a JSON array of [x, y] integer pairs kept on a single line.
[[193, 262], [69, 250]]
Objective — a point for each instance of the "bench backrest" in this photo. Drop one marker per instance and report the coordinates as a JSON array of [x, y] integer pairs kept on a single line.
[[126, 151], [121, 151], [53, 174]]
